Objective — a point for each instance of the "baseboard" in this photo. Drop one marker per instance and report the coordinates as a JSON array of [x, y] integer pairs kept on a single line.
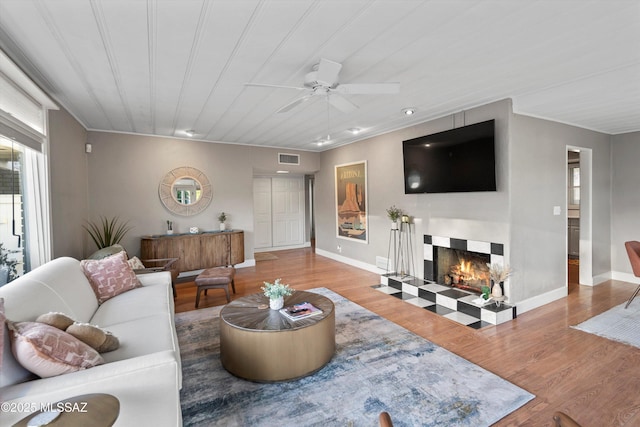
[[540, 300], [246, 263], [282, 248], [625, 277], [349, 261], [523, 306], [600, 278]]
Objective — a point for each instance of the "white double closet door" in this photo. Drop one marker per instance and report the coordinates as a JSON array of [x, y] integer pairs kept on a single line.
[[278, 211]]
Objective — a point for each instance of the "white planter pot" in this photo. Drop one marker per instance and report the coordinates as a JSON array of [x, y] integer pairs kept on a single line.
[[276, 303], [223, 226]]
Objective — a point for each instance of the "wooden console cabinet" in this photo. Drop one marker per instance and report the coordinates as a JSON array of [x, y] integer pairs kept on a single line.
[[196, 251]]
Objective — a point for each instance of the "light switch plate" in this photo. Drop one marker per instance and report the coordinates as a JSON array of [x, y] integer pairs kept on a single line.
[[557, 210]]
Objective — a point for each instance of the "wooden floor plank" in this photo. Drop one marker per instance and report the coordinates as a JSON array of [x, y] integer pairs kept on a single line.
[[594, 380]]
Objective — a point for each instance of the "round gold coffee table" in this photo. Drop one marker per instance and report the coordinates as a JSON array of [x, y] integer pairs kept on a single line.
[[260, 344]]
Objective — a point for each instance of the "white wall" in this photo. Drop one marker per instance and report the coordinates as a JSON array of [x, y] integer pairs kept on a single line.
[[625, 201]]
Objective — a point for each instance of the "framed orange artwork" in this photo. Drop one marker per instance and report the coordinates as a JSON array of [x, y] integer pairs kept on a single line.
[[351, 201]]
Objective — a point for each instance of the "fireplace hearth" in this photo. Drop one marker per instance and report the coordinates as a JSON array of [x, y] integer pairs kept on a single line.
[[468, 260]]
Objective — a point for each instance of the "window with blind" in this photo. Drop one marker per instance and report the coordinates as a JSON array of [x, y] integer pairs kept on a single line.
[[24, 204]]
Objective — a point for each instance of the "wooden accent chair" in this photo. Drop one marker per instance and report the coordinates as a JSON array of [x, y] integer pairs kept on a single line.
[[633, 250], [385, 420], [563, 420], [161, 264]]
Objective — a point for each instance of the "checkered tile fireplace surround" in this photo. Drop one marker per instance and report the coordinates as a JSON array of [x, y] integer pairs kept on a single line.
[[456, 304]]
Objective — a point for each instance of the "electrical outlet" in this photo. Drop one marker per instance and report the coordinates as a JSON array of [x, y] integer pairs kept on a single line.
[[339, 248]]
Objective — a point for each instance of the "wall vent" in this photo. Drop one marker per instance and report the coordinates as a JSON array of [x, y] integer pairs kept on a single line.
[[288, 159]]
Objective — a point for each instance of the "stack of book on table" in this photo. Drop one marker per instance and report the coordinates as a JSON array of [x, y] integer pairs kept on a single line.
[[301, 310]]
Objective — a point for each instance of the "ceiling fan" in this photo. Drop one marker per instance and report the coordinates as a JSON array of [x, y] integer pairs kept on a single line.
[[322, 80]]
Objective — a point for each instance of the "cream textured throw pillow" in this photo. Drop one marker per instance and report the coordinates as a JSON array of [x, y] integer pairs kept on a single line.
[[136, 264], [110, 276], [47, 351]]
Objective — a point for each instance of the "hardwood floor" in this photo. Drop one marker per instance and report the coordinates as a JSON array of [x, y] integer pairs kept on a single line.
[[594, 380]]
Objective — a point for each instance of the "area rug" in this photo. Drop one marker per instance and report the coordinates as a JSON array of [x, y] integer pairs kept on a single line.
[[378, 366], [264, 256], [616, 324]]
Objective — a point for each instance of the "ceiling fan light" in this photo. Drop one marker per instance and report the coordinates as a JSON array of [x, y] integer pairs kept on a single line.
[[409, 111]]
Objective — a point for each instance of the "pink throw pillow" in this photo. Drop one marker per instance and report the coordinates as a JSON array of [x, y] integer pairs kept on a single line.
[[47, 351], [110, 276]]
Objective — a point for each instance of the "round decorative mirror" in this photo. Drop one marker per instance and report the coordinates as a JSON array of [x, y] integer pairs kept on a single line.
[[185, 191]]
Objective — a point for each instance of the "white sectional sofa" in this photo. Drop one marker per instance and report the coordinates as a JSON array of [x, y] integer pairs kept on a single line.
[[144, 373]]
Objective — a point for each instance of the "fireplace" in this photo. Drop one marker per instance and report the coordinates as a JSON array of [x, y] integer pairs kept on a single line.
[[461, 268], [460, 263]]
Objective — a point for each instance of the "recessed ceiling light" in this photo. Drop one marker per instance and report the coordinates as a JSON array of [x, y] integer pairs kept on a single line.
[[282, 171], [355, 131], [190, 132], [324, 141], [408, 111]]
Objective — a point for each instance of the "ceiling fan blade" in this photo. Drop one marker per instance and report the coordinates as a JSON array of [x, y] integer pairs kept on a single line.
[[368, 88], [341, 103], [275, 86], [328, 72], [294, 103]]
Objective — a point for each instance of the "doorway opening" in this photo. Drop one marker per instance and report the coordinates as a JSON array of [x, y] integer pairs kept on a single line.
[[573, 218], [579, 217]]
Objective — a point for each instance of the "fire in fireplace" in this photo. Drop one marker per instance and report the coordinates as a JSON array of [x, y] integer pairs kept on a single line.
[[462, 269]]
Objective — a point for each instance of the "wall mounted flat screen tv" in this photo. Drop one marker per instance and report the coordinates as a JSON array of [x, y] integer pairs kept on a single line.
[[456, 160]]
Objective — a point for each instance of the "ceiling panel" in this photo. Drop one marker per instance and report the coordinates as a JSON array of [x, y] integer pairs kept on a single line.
[[163, 67]]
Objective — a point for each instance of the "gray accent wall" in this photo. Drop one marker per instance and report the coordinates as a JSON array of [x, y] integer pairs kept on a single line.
[[69, 187], [538, 183], [476, 216], [125, 171], [531, 173]]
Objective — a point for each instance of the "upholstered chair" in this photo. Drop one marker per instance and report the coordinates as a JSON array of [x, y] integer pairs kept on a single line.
[[385, 420], [563, 420], [633, 250]]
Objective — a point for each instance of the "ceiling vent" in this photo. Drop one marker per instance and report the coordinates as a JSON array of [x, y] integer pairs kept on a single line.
[[288, 159]]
